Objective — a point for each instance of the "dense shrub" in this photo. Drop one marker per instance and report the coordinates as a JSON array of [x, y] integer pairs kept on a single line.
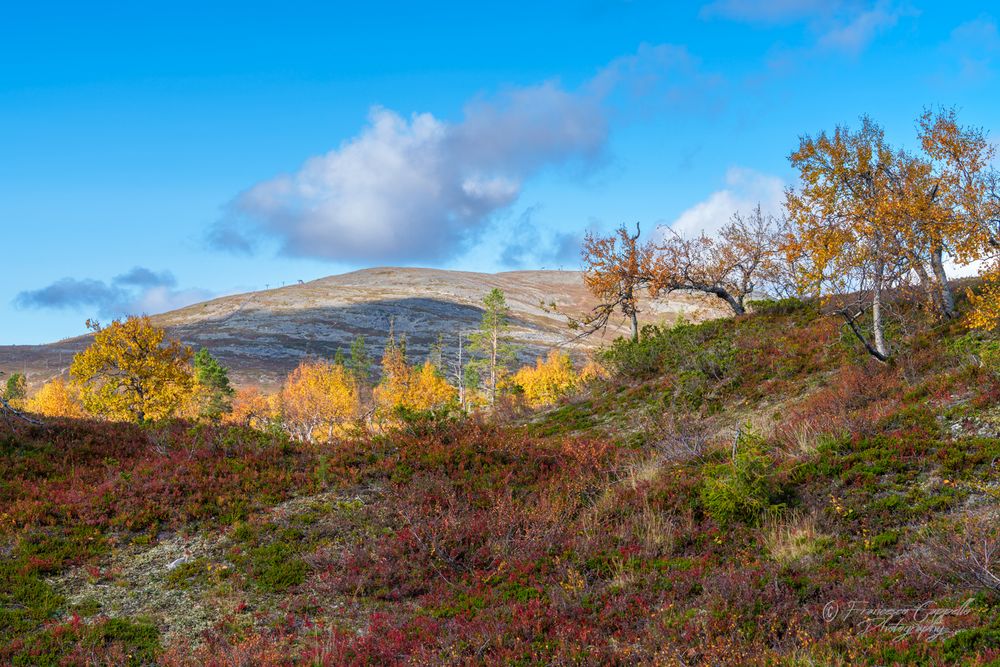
[[626, 358], [695, 358], [740, 489], [786, 306], [112, 641]]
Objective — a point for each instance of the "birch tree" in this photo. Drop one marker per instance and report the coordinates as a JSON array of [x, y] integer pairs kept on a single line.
[[616, 269], [741, 259], [844, 217]]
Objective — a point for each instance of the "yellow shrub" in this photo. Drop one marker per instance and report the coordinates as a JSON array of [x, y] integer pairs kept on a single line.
[[413, 387], [548, 380], [56, 398], [253, 408]]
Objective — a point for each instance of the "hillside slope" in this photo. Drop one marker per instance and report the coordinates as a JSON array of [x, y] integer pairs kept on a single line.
[[748, 491], [262, 335]]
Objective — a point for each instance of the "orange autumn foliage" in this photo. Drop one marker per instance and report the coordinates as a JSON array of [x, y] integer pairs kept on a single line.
[[967, 185], [742, 258], [616, 269], [593, 371], [252, 407], [869, 217]]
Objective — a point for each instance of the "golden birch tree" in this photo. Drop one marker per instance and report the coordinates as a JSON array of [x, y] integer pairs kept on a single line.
[[132, 371], [317, 400]]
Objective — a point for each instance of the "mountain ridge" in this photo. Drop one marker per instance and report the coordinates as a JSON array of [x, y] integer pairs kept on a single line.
[[262, 335]]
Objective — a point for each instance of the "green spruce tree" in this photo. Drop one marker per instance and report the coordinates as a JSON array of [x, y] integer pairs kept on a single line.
[[360, 363], [16, 389], [215, 393], [494, 343]]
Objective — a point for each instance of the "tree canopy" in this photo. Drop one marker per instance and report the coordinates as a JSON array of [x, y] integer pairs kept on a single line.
[[317, 399], [132, 371]]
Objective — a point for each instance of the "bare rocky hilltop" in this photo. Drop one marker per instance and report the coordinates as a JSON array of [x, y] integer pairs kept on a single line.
[[263, 335]]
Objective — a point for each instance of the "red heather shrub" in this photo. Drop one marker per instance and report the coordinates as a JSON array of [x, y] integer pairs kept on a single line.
[[256, 650], [854, 401], [771, 352], [122, 477]]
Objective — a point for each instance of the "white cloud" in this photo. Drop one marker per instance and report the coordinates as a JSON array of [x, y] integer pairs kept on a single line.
[[418, 188], [422, 189], [845, 26], [744, 190]]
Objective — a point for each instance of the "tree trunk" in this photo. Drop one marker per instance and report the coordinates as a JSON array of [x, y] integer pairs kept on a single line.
[[493, 367], [926, 284], [722, 293], [628, 308], [878, 326], [7, 409], [947, 297], [856, 330], [460, 373]]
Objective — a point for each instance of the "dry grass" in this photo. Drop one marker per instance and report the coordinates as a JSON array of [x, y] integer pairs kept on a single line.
[[655, 530], [803, 438], [642, 473], [652, 528], [791, 536]]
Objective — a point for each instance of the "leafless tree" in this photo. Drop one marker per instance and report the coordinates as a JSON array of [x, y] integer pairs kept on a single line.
[[743, 258]]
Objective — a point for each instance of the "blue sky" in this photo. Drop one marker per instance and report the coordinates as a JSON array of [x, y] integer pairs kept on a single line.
[[155, 154]]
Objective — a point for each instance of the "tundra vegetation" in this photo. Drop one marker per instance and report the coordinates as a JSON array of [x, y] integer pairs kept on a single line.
[[737, 491]]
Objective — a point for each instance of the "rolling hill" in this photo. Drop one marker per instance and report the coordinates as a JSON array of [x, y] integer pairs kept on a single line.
[[263, 335]]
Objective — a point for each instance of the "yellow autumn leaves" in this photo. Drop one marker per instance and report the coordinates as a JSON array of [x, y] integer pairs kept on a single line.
[[870, 217], [133, 372], [56, 398], [320, 401], [317, 400], [414, 388], [548, 380]]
